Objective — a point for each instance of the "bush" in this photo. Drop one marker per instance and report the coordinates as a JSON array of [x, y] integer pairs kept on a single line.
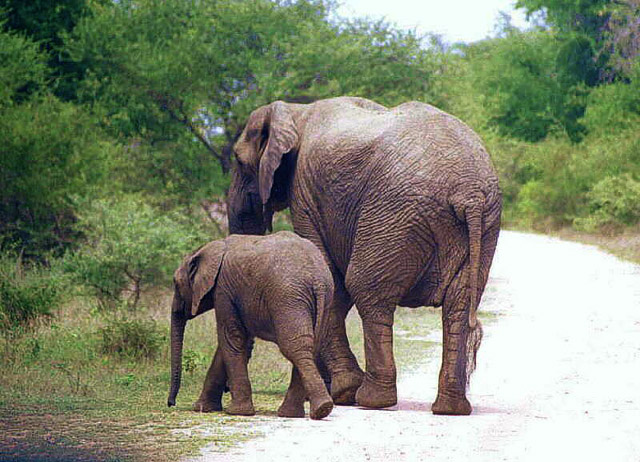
[[615, 107], [49, 152], [613, 202], [27, 294], [131, 245], [132, 338]]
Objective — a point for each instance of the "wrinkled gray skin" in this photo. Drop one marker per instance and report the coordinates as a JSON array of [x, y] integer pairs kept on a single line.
[[405, 206], [276, 288]]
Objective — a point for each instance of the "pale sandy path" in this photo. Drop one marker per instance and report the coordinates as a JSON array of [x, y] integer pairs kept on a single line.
[[558, 375]]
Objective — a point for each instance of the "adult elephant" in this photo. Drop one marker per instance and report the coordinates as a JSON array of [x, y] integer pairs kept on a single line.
[[405, 206]]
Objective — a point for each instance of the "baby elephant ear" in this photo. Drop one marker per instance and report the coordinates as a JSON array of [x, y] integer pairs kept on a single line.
[[204, 270]]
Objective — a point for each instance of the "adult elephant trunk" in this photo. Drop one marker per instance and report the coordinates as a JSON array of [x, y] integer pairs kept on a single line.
[[178, 323]]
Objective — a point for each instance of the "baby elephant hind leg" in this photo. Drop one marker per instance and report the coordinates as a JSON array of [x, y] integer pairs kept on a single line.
[[293, 404], [235, 348], [299, 350]]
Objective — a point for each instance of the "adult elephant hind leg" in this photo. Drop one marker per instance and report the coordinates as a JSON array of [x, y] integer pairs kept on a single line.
[[384, 267], [346, 375], [459, 346], [336, 358], [378, 389], [215, 383]]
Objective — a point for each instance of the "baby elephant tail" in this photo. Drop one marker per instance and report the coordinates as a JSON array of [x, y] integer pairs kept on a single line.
[[323, 296]]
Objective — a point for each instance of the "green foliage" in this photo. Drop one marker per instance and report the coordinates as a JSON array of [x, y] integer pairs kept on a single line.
[[547, 184], [613, 201], [170, 174], [587, 16], [615, 107], [261, 51], [130, 246], [368, 59], [49, 151], [527, 95], [47, 22], [43, 20], [171, 72], [103, 99], [601, 35], [28, 294], [132, 338], [622, 37], [193, 360], [23, 70]]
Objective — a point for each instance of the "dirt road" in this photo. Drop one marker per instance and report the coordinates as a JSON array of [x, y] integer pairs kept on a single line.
[[558, 375]]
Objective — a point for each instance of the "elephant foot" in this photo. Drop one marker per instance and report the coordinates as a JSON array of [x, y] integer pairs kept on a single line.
[[451, 406], [235, 408], [374, 395], [291, 410], [207, 406], [320, 410], [344, 386]]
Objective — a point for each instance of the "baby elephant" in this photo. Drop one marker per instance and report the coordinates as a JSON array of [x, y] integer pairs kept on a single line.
[[275, 287]]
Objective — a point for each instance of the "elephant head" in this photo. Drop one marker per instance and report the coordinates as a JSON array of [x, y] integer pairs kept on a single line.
[[195, 282], [265, 160]]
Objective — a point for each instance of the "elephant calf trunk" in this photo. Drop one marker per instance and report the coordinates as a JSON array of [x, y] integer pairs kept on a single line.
[[178, 323]]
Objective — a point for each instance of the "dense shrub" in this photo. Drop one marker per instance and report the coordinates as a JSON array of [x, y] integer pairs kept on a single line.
[[49, 152], [131, 245], [132, 338], [616, 106], [27, 294], [613, 201]]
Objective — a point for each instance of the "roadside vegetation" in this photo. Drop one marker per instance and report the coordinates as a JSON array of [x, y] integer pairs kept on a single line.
[[116, 126]]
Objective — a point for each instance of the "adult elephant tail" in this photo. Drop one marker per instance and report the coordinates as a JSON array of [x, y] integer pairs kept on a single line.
[[473, 215], [474, 228]]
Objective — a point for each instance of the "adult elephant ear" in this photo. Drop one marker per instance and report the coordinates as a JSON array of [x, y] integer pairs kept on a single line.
[[204, 272], [282, 138]]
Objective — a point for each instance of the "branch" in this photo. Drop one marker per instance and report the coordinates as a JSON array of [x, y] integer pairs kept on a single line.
[[175, 110]]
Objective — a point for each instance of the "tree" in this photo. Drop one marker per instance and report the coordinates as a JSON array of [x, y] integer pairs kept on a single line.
[[23, 70], [176, 79], [623, 37], [594, 33], [46, 22], [527, 94], [363, 58], [48, 151]]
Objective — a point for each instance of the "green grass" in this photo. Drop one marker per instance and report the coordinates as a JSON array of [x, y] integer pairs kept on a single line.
[[63, 398]]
